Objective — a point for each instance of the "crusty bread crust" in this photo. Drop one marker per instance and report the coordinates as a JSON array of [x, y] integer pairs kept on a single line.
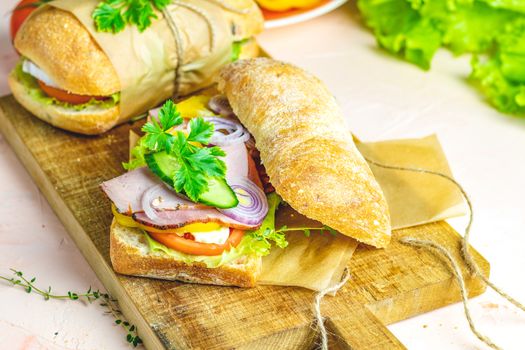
[[89, 122], [130, 255], [57, 42], [306, 148]]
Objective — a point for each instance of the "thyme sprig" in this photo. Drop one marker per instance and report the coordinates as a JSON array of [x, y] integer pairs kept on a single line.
[[90, 295]]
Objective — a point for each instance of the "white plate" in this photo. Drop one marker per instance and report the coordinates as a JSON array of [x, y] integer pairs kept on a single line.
[[304, 16]]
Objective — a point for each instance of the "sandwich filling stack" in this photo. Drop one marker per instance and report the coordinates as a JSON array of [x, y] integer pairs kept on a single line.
[[82, 80], [198, 202]]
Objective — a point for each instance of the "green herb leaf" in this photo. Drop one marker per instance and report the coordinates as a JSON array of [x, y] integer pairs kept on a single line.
[[157, 136], [191, 184], [205, 161], [113, 15], [108, 17], [196, 165], [140, 13], [201, 131], [277, 236]]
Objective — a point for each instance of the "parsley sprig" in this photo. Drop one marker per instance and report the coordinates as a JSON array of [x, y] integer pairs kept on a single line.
[[196, 164], [111, 305], [113, 15]]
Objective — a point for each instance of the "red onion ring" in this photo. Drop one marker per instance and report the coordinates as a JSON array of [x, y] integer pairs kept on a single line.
[[236, 133], [253, 204], [220, 105], [146, 201]]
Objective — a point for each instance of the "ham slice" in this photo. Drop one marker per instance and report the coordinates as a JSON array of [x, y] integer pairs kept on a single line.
[[126, 193], [170, 219], [236, 161], [126, 190]]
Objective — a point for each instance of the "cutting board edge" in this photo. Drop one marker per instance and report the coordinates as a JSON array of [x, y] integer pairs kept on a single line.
[[101, 268], [103, 271]]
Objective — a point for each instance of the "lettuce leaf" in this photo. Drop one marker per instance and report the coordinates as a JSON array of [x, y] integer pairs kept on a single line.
[[250, 245], [470, 28], [36, 93], [513, 5], [501, 74], [402, 30], [492, 30], [137, 155], [237, 48]]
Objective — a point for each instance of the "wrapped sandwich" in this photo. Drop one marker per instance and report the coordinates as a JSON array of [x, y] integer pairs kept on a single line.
[[87, 81], [199, 201]]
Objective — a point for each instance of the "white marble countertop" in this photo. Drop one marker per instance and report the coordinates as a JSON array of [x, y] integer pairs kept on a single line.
[[383, 98]]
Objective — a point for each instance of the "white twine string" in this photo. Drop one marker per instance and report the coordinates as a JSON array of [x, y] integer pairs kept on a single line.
[[209, 22], [317, 307], [180, 52], [415, 242], [467, 257], [203, 14], [461, 282]]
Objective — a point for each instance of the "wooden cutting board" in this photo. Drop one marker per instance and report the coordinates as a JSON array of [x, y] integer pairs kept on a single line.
[[387, 285]]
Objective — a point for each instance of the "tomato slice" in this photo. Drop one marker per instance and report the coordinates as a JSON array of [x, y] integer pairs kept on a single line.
[[65, 96], [20, 13], [188, 246]]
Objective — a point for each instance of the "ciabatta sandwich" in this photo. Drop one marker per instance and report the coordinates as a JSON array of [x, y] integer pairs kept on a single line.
[[65, 78], [281, 137]]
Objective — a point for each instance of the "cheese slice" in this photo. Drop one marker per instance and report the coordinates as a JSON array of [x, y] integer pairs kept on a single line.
[[219, 236]]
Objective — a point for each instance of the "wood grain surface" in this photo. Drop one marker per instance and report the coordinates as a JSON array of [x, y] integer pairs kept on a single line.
[[387, 285]]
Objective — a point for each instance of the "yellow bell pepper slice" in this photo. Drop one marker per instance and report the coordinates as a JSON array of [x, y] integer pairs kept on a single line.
[[128, 221], [195, 106], [284, 5]]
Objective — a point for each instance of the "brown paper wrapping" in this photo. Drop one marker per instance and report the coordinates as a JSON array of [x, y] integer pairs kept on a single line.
[[414, 198], [146, 62], [318, 261]]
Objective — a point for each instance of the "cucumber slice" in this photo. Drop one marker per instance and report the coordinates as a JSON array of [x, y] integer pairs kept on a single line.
[[162, 165], [219, 194]]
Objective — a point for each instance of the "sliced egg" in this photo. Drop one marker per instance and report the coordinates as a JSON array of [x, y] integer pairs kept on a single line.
[[219, 236], [35, 71]]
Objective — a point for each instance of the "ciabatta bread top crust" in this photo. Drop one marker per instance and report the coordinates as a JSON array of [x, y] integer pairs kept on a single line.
[[60, 45], [306, 148]]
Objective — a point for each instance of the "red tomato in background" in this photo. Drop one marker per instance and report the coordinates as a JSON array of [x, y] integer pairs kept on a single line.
[[20, 13]]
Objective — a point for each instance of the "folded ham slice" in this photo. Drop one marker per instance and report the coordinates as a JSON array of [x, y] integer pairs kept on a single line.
[[126, 193], [170, 219], [126, 190]]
